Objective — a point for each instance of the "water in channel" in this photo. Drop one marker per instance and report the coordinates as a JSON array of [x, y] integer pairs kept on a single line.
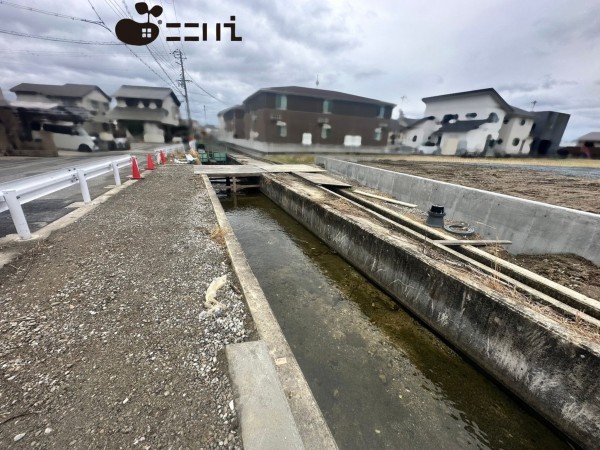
[[381, 379]]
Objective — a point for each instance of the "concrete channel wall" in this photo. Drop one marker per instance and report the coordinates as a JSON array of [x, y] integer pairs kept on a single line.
[[533, 227], [552, 371]]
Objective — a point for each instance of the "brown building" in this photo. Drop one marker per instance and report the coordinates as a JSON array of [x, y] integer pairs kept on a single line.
[[298, 115], [232, 121]]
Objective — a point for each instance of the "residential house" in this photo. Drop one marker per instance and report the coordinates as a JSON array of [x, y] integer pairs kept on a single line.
[[150, 113], [231, 122], [86, 96], [27, 127], [590, 140], [476, 122], [298, 115]]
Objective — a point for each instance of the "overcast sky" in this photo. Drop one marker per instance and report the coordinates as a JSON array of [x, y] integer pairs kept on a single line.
[[543, 50]]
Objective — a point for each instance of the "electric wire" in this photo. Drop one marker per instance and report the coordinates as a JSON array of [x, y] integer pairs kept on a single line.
[[135, 54], [51, 13], [55, 39]]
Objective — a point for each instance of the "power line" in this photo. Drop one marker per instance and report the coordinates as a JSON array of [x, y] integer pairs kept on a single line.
[[132, 52], [70, 54], [47, 38], [205, 91], [51, 13]]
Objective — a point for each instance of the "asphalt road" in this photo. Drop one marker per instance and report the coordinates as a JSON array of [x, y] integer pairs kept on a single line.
[[45, 210]]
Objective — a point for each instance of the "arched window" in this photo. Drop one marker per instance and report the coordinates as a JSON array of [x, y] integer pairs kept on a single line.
[[493, 118], [414, 139], [516, 141], [522, 122]]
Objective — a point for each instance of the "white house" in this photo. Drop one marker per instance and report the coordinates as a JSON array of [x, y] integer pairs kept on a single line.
[[151, 112], [472, 122], [85, 96]]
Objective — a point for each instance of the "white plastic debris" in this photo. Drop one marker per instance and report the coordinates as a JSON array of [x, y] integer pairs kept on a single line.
[[211, 303]]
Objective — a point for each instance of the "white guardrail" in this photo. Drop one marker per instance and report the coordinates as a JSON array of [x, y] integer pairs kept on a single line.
[[14, 194]]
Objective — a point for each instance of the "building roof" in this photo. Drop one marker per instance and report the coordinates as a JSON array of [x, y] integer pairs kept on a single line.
[[226, 110], [514, 111], [411, 123], [593, 136], [461, 126], [54, 90], [320, 93], [145, 93]]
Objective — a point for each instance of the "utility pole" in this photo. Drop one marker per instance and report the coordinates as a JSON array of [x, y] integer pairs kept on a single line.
[[183, 82], [533, 103]]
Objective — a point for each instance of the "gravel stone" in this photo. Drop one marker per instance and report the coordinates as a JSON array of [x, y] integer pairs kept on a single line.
[[102, 331]]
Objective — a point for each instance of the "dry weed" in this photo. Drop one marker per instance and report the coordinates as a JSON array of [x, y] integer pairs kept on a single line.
[[218, 235]]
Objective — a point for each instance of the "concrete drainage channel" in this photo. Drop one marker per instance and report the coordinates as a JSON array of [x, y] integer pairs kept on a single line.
[[498, 326]]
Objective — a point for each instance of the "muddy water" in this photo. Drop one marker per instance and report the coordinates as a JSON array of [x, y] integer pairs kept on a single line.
[[381, 379]]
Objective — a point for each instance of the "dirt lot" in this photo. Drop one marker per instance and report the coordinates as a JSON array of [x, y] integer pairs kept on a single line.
[[535, 183]]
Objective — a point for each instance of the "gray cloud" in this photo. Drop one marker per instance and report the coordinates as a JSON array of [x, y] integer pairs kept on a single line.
[[526, 50]]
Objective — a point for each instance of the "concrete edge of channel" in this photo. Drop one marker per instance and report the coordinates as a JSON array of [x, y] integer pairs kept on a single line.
[[265, 415], [313, 429], [18, 246]]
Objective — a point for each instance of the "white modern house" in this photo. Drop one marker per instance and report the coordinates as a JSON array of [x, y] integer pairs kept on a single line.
[[472, 122], [148, 112]]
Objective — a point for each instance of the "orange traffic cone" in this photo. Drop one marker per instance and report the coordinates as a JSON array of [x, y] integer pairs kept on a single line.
[[135, 170], [163, 158], [150, 165]]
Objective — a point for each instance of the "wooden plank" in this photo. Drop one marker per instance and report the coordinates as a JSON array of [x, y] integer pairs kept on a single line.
[[322, 180], [252, 170], [475, 242], [385, 199]]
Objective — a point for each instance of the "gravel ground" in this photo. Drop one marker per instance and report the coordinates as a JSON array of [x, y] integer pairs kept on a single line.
[[105, 342]]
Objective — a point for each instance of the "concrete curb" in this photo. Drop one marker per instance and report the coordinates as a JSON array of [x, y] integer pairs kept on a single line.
[[265, 417], [310, 421], [533, 227]]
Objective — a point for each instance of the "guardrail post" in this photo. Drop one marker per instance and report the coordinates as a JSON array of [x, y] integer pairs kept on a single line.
[[17, 215], [85, 192], [115, 169]]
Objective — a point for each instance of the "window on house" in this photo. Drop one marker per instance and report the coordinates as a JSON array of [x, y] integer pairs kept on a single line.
[[516, 141], [325, 131], [95, 104], [493, 118], [448, 117], [471, 115], [281, 129], [505, 121], [522, 122], [414, 139], [281, 102], [381, 112], [499, 141], [377, 134], [326, 106]]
